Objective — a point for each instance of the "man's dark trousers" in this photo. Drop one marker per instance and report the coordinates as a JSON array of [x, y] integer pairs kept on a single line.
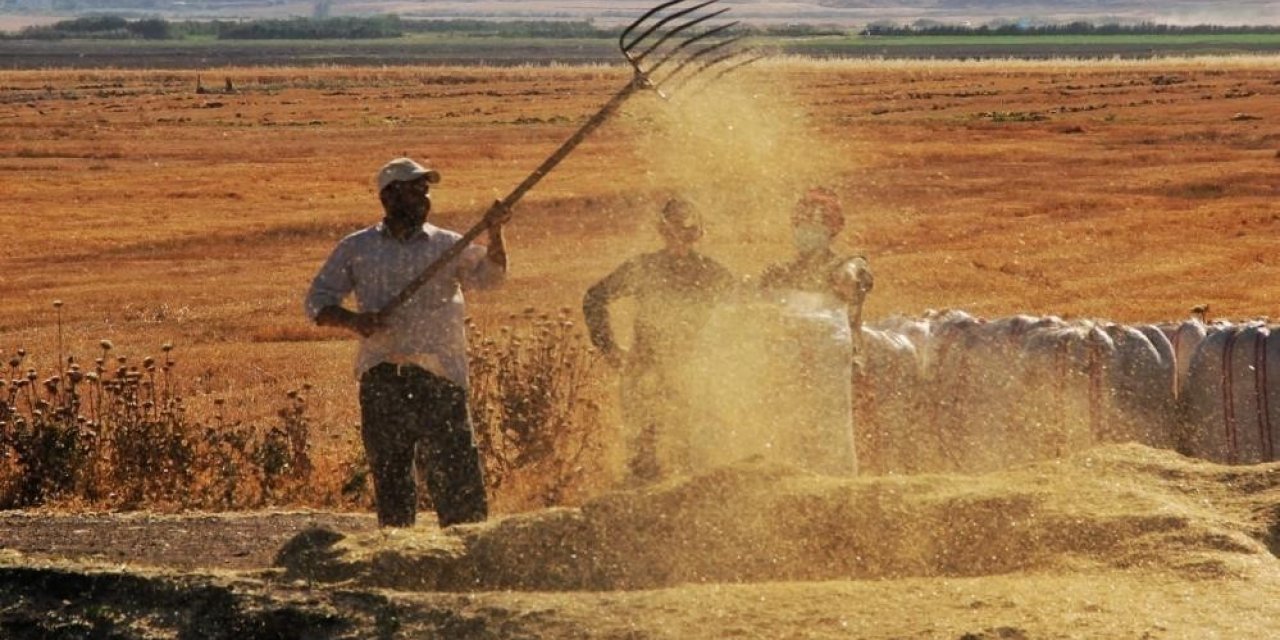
[[404, 407]]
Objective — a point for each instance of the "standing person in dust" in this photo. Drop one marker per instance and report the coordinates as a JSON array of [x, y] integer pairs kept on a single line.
[[674, 289], [819, 294], [412, 365]]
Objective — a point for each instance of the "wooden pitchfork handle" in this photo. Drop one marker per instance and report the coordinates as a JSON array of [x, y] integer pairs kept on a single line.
[[670, 37], [637, 83]]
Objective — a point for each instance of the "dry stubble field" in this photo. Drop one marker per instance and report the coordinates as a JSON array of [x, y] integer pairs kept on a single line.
[[1124, 190]]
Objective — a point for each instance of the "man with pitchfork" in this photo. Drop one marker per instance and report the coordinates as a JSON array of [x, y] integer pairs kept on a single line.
[[675, 290], [408, 277], [411, 363]]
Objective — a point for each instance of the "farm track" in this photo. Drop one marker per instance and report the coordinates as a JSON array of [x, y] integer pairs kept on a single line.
[[224, 542]]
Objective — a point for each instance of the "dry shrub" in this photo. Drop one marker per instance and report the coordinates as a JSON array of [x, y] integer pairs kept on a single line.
[[120, 436], [536, 408]]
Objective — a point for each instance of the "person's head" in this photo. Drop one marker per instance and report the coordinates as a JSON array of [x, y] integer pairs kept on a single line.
[[404, 187], [816, 220], [679, 225]]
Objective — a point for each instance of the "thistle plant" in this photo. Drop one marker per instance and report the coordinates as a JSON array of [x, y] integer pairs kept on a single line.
[[535, 406], [121, 435], [118, 432], [284, 453]]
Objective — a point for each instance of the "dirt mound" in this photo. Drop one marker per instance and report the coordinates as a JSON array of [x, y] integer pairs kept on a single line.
[[1114, 507]]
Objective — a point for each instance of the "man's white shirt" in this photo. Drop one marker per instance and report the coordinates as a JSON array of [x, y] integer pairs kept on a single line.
[[428, 330]]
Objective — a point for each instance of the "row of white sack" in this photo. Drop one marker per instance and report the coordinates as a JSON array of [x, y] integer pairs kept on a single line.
[[952, 391]]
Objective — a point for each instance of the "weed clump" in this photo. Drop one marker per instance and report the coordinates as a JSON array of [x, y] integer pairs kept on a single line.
[[535, 402], [119, 435]]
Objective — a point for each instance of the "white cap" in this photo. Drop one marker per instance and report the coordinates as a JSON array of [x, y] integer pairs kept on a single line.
[[403, 170]]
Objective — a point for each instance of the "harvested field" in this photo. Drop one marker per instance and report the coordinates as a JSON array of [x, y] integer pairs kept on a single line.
[[1118, 190], [1122, 190]]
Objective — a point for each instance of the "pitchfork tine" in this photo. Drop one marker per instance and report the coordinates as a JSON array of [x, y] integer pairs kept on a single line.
[[661, 23], [687, 25], [639, 21], [695, 39], [700, 53], [680, 85], [738, 65]]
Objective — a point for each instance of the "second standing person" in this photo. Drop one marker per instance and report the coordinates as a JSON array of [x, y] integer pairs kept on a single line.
[[675, 290]]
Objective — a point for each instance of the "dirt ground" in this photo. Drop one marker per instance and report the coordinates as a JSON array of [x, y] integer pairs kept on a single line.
[[1119, 542], [188, 542]]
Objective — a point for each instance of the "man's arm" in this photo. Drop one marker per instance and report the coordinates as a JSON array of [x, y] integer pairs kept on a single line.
[[333, 283], [363, 323], [485, 267], [723, 283], [595, 309], [497, 250], [498, 217], [852, 280]]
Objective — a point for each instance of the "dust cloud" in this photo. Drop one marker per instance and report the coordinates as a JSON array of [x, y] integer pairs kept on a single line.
[[740, 150], [733, 381]]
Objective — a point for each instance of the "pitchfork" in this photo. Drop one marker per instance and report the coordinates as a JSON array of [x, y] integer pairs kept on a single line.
[[668, 46]]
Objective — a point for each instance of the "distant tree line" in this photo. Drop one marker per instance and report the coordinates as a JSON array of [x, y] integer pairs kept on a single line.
[[796, 30], [90, 6], [385, 26], [511, 28], [110, 27], [930, 28], [388, 26], [100, 28], [314, 28]]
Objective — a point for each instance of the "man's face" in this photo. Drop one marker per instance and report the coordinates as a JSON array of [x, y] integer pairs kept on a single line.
[[407, 202], [680, 239], [810, 237]]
